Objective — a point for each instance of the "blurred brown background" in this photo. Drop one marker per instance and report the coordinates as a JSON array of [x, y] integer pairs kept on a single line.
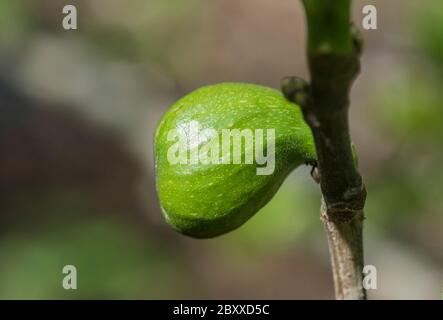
[[77, 114]]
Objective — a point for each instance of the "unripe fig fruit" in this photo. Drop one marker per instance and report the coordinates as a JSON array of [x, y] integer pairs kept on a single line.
[[207, 182]]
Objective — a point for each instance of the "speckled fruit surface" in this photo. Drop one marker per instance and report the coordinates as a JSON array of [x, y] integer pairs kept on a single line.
[[206, 200]]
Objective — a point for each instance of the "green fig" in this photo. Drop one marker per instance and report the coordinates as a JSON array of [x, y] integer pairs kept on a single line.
[[222, 152]]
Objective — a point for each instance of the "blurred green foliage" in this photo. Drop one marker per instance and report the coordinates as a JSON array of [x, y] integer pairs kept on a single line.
[[111, 262], [407, 107], [429, 29], [15, 21]]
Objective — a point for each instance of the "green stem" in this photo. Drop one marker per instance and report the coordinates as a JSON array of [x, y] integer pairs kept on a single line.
[[334, 64], [328, 26]]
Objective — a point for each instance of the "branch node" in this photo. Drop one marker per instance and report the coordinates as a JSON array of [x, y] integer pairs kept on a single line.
[[357, 39], [295, 90]]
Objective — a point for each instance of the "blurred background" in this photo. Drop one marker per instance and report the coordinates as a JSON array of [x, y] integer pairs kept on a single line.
[[77, 114]]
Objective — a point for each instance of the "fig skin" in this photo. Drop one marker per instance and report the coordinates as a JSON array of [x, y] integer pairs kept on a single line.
[[207, 200]]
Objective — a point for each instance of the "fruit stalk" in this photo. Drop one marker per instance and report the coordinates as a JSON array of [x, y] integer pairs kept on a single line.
[[333, 56]]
